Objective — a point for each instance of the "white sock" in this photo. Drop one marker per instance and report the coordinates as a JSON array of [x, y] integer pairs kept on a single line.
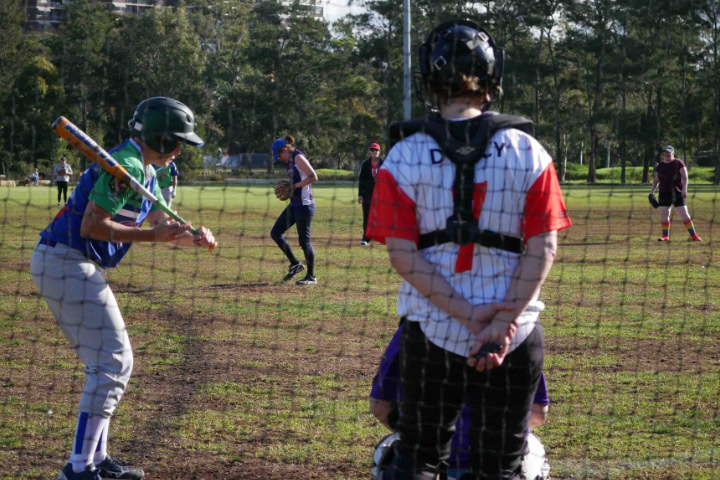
[[87, 434], [101, 450]]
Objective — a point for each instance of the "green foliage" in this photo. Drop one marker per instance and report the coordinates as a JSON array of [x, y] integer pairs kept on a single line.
[[623, 76], [633, 175], [11, 40]]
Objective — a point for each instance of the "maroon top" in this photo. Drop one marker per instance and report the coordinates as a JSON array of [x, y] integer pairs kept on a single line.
[[669, 175]]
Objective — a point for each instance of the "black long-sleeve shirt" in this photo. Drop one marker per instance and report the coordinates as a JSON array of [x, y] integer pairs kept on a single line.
[[366, 180]]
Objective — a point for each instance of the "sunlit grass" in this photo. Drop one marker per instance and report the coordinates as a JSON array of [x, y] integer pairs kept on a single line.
[[236, 367]]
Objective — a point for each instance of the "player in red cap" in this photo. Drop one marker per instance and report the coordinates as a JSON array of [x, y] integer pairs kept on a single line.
[[366, 184]]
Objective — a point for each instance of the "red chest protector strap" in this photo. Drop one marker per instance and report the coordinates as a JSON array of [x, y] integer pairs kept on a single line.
[[464, 143]]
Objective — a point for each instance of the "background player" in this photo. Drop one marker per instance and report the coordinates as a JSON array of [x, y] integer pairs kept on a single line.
[[385, 396], [167, 179], [672, 177], [34, 177], [450, 292], [62, 173], [301, 210], [366, 184], [91, 233]]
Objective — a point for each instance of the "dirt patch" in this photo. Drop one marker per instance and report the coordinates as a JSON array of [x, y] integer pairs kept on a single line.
[[205, 361], [640, 354]]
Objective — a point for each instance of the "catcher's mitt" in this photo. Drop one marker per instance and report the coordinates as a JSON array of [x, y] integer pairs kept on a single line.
[[653, 201], [283, 189]]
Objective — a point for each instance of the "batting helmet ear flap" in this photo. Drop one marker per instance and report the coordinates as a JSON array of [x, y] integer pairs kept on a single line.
[[424, 58], [499, 63]]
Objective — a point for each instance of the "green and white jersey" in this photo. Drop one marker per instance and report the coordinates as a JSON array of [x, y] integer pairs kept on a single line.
[[125, 205], [165, 174]]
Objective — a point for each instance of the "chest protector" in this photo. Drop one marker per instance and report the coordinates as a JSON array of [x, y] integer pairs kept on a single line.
[[464, 143]]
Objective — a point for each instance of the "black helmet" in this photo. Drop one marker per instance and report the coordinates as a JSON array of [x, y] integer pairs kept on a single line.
[[454, 48], [162, 122]]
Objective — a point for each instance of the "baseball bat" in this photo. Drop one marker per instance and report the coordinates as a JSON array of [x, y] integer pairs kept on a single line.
[[95, 153]]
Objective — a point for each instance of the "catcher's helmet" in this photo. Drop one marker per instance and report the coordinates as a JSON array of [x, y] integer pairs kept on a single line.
[[162, 122], [454, 48], [383, 456]]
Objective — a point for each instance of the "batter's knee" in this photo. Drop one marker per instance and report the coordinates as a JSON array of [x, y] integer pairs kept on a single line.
[[106, 383]]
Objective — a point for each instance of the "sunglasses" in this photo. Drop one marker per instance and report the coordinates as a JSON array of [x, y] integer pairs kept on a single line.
[[374, 150]]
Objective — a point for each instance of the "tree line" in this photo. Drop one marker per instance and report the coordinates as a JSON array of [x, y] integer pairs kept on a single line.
[[605, 81]]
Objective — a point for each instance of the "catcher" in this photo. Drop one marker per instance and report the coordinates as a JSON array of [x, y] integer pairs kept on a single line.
[[301, 210]]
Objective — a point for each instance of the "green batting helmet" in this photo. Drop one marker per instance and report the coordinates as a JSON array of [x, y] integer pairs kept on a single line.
[[162, 122]]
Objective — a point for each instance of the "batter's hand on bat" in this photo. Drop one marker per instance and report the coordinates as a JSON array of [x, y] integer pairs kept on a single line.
[[501, 332], [204, 238], [169, 231]]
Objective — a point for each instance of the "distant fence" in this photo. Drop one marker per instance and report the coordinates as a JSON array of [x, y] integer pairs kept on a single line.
[[241, 160]]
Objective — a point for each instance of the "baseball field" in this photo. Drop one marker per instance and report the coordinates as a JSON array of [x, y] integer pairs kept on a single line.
[[240, 376]]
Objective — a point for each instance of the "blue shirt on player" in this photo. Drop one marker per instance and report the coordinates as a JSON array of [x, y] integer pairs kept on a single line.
[[302, 196], [126, 206]]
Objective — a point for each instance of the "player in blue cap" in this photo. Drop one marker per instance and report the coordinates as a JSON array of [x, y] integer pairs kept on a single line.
[[299, 212]]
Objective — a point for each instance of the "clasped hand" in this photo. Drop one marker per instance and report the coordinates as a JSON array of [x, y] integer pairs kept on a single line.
[[500, 330]]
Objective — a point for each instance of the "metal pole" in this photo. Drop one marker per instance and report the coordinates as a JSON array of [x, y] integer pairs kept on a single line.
[[407, 72]]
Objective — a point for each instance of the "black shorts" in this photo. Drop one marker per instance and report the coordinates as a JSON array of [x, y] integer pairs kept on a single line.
[[669, 199]]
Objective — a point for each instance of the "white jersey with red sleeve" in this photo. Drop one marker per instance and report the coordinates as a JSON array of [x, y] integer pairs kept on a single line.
[[517, 193]]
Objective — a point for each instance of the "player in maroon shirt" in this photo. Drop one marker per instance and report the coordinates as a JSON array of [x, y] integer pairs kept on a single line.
[[672, 177]]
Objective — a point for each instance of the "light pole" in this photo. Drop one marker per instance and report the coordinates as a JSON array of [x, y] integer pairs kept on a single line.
[[407, 71]]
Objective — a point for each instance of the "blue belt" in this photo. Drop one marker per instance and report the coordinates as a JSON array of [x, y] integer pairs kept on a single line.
[[46, 241], [51, 243]]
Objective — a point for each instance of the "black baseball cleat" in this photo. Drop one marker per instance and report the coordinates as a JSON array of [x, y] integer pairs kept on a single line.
[[88, 474], [294, 270], [117, 469], [308, 280]]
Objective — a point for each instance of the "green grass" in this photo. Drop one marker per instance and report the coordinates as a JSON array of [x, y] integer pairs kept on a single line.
[[240, 375], [633, 175]]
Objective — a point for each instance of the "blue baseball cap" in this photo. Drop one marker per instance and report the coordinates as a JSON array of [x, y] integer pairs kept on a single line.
[[278, 145], [669, 148]]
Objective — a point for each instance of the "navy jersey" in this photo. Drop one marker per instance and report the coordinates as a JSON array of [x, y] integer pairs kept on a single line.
[[301, 196], [127, 207]]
